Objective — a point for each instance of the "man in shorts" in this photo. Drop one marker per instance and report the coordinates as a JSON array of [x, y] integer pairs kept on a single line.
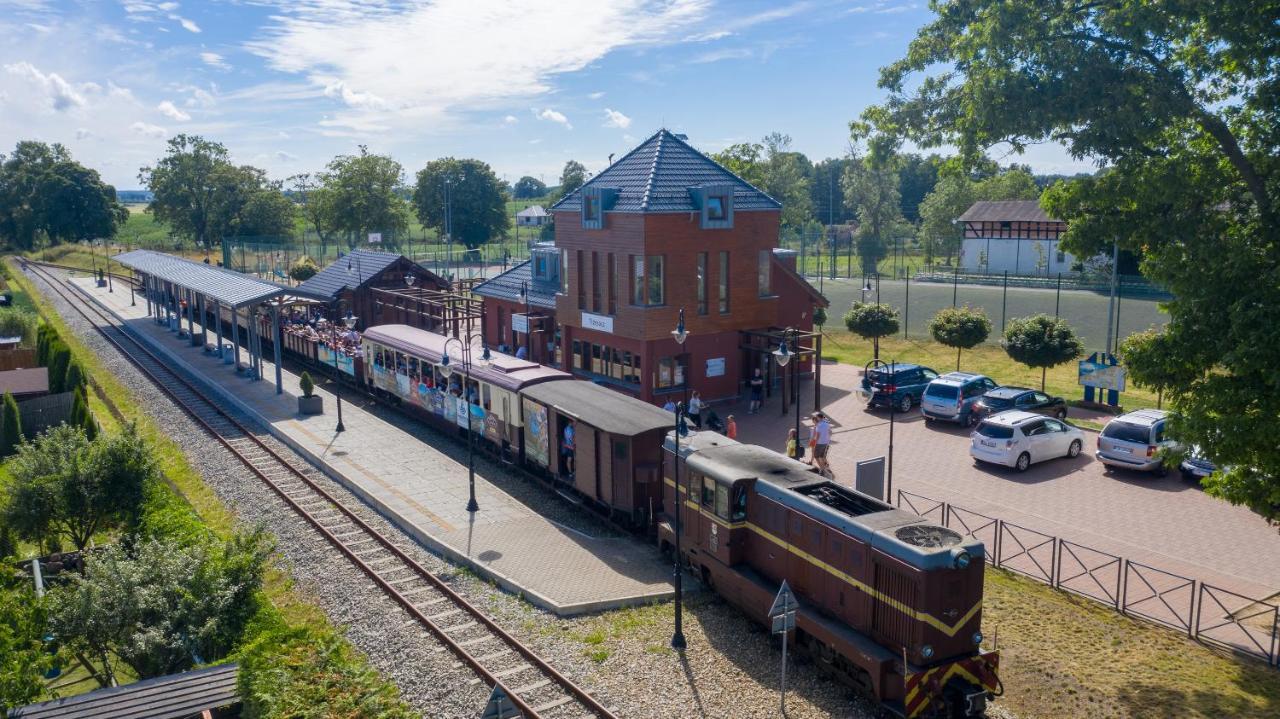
[[822, 443]]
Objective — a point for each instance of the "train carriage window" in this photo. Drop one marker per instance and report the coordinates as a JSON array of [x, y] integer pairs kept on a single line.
[[485, 393], [413, 366], [402, 367], [722, 501], [739, 504], [708, 491], [620, 450]]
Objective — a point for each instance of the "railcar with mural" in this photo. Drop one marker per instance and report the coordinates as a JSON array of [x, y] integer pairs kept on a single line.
[[890, 603]]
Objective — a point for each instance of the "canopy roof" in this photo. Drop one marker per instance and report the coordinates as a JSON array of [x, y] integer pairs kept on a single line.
[[175, 696], [602, 408], [225, 286]]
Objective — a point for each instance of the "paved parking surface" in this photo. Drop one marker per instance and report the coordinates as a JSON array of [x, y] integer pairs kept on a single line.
[[1165, 523]]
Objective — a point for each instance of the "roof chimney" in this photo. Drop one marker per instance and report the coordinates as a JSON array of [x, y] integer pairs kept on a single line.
[[681, 136], [610, 158]]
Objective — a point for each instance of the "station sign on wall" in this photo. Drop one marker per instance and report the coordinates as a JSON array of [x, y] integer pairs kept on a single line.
[[715, 367], [375, 238], [601, 323], [520, 323]]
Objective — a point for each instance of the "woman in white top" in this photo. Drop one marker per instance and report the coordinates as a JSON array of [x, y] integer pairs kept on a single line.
[[695, 409]]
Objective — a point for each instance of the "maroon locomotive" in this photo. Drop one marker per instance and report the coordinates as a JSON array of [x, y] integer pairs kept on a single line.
[[890, 604]]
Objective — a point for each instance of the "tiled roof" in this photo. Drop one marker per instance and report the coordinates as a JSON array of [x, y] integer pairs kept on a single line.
[[174, 696], [532, 211], [226, 286], [364, 264], [506, 286], [656, 177], [1006, 211]]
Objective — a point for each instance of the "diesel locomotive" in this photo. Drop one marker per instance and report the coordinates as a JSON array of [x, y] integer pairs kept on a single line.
[[890, 604]]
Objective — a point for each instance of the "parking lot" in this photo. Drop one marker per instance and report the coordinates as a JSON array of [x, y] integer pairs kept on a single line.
[[1163, 522]]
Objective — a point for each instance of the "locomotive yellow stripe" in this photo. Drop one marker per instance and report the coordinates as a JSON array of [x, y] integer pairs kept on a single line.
[[952, 670], [948, 629]]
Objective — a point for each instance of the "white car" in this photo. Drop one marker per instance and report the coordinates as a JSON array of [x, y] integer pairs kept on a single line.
[[1018, 439]]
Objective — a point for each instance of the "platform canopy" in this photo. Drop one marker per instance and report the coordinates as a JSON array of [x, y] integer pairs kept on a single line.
[[226, 286], [176, 696]]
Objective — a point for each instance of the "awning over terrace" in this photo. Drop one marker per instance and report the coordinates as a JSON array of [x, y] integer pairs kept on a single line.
[[217, 283]]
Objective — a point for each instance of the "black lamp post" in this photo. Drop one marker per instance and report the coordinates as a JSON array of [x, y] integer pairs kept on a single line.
[[887, 367], [677, 638], [485, 359], [784, 358], [528, 321], [333, 347]]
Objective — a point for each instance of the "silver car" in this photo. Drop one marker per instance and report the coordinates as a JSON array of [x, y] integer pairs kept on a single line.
[[1134, 441]]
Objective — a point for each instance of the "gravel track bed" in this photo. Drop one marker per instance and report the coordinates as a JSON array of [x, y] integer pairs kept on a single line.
[[622, 657]]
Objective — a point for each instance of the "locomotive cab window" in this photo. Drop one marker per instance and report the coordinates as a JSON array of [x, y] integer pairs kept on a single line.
[[708, 492], [722, 501], [739, 504]]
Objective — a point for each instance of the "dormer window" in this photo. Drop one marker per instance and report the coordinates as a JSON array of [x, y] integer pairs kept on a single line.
[[590, 208], [716, 205], [595, 202]]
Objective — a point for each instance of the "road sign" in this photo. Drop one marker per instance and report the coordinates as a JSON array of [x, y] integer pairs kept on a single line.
[[785, 602], [783, 613], [784, 623], [499, 706]]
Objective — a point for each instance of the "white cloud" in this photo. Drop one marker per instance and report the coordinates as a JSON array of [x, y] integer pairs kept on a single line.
[[213, 59], [596, 95], [381, 48], [283, 156], [510, 120], [146, 129], [552, 116], [59, 93], [339, 90], [199, 98], [613, 118], [171, 111], [122, 93], [188, 25]]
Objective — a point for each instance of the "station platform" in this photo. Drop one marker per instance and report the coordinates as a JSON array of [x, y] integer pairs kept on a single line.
[[424, 491]]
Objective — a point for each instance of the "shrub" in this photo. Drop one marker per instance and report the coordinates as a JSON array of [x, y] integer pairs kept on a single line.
[[303, 269], [872, 321], [819, 317], [1041, 341], [10, 426], [305, 384], [75, 378], [960, 327], [22, 649], [59, 360], [17, 322]]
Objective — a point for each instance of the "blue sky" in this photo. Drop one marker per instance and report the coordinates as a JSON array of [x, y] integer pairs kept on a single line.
[[522, 84]]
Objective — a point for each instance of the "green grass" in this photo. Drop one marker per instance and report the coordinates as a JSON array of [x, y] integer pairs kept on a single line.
[[991, 360]]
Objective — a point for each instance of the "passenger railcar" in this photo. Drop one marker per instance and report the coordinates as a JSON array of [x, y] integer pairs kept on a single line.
[[408, 364], [889, 602]]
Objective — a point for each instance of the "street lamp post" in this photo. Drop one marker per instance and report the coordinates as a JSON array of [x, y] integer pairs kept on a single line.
[[528, 321], [333, 347], [485, 359], [784, 358], [677, 639], [887, 367]]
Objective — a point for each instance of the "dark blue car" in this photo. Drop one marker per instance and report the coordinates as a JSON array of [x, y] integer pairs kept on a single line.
[[898, 384]]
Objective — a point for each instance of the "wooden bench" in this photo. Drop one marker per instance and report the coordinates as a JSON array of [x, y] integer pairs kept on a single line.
[[209, 348]]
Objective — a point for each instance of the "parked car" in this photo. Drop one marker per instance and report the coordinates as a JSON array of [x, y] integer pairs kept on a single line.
[[900, 385], [1001, 399], [1134, 440], [1195, 467], [1018, 439], [952, 397]]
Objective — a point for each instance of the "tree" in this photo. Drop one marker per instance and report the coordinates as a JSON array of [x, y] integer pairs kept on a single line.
[[744, 159], [1041, 341], [24, 657], [825, 192], [475, 199], [10, 426], [359, 194], [316, 206], [572, 177], [202, 195], [917, 177], [75, 378], [871, 187], [18, 322], [527, 188], [960, 327], [819, 317], [787, 179], [303, 269], [46, 195], [81, 416], [872, 321], [1186, 128], [59, 360], [63, 484], [159, 607]]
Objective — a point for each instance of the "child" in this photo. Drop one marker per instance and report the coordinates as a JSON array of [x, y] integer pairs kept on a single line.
[[792, 445], [731, 428]]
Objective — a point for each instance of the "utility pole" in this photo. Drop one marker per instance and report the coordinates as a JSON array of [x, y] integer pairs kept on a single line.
[[1111, 302]]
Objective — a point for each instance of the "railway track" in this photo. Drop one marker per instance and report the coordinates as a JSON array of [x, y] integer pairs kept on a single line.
[[535, 688]]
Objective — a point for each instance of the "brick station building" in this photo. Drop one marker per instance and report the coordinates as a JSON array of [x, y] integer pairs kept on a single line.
[[662, 229]]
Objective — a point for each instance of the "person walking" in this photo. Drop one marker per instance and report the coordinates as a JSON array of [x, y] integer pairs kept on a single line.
[[694, 410], [793, 445], [822, 443], [757, 392], [731, 428]]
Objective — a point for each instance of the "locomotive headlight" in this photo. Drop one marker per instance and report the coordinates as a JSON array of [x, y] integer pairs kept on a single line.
[[977, 638], [927, 651], [962, 559]]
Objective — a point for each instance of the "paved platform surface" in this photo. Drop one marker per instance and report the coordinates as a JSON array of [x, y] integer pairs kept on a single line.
[[424, 491], [1164, 522]]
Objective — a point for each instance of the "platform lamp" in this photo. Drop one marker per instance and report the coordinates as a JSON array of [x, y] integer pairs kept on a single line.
[[677, 638], [409, 279], [528, 321], [485, 359], [681, 334], [784, 357], [879, 364]]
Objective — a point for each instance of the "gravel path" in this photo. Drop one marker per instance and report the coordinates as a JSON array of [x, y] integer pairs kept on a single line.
[[730, 668]]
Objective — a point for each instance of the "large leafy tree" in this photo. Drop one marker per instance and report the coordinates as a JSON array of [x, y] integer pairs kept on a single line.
[[201, 194], [826, 194], [572, 177], [63, 483], [917, 176], [23, 656], [161, 608], [1178, 101], [527, 188], [774, 167], [359, 194], [871, 187], [744, 159], [470, 191], [45, 195]]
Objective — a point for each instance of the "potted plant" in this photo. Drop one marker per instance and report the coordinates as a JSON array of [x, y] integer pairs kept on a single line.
[[309, 403]]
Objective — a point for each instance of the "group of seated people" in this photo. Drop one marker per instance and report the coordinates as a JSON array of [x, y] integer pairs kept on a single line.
[[314, 326]]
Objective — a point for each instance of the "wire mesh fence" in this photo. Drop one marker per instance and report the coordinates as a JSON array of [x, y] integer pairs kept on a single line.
[[1208, 613]]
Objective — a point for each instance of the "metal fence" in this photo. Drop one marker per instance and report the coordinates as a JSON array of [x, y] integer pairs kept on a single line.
[[1205, 612]]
